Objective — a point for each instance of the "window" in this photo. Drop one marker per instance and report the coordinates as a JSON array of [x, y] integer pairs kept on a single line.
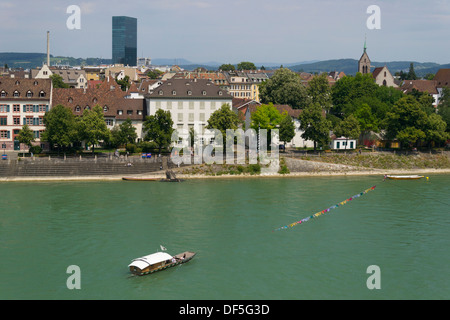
[[202, 105], [213, 105], [29, 94], [191, 105], [130, 112], [174, 93], [16, 121], [191, 117], [87, 108], [119, 112], [94, 100], [70, 100], [169, 104], [41, 94], [109, 122], [161, 92], [204, 92], [4, 108], [4, 134], [180, 104], [3, 94], [180, 117], [3, 121], [16, 94], [16, 108], [105, 109], [189, 93], [202, 117], [77, 109]]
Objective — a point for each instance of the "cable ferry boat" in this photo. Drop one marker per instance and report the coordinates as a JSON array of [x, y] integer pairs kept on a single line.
[[158, 261]]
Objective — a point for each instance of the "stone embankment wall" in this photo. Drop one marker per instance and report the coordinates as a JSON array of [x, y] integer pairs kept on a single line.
[[48, 167], [297, 165]]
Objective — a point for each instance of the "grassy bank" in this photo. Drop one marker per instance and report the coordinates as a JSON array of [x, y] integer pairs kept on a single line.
[[388, 161]]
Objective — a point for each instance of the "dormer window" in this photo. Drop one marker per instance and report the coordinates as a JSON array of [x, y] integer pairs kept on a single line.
[[29, 94], [35, 83], [16, 94], [3, 94], [174, 93], [204, 92], [87, 108], [220, 93], [77, 109], [161, 92], [17, 82], [189, 93], [105, 109], [94, 100], [41, 94], [70, 100]]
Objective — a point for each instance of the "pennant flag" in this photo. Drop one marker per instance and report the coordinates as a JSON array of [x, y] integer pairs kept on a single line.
[[326, 210], [163, 248]]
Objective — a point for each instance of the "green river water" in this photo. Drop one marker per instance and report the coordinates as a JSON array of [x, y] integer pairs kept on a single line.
[[402, 227]]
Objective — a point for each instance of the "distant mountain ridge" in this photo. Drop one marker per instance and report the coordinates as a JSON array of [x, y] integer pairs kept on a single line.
[[348, 66]]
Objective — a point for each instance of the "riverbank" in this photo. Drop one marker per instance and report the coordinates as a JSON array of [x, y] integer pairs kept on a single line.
[[162, 175], [349, 165]]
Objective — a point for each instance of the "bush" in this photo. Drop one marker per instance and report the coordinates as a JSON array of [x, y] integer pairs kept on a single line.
[[35, 149], [254, 168]]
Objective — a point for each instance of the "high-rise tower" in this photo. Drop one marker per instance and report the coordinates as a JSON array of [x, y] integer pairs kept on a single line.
[[124, 40]]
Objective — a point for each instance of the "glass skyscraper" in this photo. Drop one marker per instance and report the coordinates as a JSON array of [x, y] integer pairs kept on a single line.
[[124, 40]]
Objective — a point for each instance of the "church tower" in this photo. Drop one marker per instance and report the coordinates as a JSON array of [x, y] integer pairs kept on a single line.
[[364, 62]]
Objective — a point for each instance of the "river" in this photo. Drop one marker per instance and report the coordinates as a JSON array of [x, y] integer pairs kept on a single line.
[[401, 227]]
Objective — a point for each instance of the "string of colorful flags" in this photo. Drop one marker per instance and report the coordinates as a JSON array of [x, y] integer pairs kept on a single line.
[[326, 210]]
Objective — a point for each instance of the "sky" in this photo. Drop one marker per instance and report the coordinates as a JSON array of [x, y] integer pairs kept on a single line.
[[231, 31]]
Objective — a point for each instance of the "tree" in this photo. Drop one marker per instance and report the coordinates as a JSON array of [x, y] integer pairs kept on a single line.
[[366, 120], [267, 117], [227, 67], [411, 73], [154, 74], [124, 133], [92, 127], [285, 87], [58, 82], [159, 128], [348, 89], [406, 121], [245, 65], [124, 83], [319, 91], [287, 129], [348, 128], [444, 107], [60, 127], [435, 129], [315, 126], [26, 136], [223, 119]]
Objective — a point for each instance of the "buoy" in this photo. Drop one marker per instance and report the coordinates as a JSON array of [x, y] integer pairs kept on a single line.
[[428, 178]]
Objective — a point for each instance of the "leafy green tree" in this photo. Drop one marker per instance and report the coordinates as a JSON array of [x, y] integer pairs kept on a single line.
[[60, 127], [444, 107], [349, 128], [435, 129], [154, 74], [245, 65], [315, 126], [319, 91], [287, 129], [348, 89], [411, 73], [267, 117], [406, 121], [124, 83], [285, 87], [159, 128], [366, 120], [227, 67], [123, 134], [92, 127], [26, 136], [223, 119], [58, 82]]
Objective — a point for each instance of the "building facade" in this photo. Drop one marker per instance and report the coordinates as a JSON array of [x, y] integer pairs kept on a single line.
[[23, 101], [124, 40], [190, 102]]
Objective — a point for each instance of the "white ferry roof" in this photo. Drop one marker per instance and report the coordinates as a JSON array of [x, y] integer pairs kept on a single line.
[[145, 261]]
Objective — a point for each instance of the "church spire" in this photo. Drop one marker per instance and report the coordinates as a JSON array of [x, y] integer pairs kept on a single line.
[[365, 39]]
